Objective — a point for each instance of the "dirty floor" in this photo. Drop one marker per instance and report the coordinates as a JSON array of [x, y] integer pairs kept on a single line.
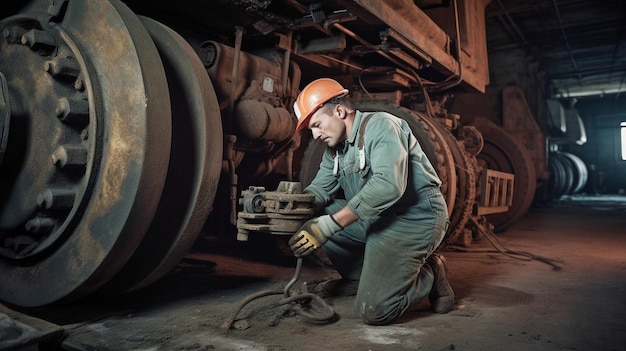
[[570, 296]]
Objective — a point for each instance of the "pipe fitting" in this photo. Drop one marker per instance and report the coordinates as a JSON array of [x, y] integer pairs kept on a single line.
[[258, 120]]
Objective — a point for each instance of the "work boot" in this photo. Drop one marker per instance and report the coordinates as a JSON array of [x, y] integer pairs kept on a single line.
[[441, 295]]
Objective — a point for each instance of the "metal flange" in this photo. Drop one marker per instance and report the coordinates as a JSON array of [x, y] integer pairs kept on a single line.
[[84, 166]]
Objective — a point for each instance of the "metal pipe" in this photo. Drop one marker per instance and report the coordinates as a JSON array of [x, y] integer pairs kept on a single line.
[[367, 44], [234, 77], [286, 62], [230, 155]]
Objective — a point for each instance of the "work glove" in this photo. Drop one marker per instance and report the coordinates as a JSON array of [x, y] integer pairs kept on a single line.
[[313, 234]]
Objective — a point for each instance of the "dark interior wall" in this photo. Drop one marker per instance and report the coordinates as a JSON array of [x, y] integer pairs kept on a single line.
[[510, 68], [515, 67], [602, 151], [601, 116]]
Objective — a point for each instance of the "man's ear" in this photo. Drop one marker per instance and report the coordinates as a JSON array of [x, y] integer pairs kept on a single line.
[[340, 111]]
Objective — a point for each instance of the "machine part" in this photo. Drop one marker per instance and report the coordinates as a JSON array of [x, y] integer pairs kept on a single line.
[[496, 192], [5, 116], [568, 174], [234, 78], [473, 141], [503, 153], [194, 165], [466, 180], [231, 162], [219, 60], [561, 178], [258, 120], [252, 199], [415, 27], [581, 174], [289, 199], [120, 115], [277, 212]]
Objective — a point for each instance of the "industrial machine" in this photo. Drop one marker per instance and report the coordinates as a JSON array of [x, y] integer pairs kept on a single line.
[[128, 127]]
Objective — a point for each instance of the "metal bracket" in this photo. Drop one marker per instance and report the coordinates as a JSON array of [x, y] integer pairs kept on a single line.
[[279, 212]]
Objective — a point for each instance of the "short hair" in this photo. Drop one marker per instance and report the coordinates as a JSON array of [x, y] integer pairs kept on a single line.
[[327, 108]]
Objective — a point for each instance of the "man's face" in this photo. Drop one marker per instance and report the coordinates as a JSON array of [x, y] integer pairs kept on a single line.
[[328, 127]]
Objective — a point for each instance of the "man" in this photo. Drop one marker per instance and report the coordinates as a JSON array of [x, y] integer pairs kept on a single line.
[[383, 234]]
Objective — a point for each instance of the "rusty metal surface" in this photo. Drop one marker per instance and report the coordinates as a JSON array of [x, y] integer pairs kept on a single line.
[[502, 152], [466, 183], [194, 164], [258, 120], [279, 212], [114, 156], [5, 115], [116, 180], [496, 193], [430, 38]]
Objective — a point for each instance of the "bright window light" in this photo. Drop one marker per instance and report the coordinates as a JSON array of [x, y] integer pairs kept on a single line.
[[623, 132]]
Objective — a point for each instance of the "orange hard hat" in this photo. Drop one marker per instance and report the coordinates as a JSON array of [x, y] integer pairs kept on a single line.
[[314, 96]]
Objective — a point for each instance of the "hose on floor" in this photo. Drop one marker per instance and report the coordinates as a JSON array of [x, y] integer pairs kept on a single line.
[[302, 303], [518, 255]]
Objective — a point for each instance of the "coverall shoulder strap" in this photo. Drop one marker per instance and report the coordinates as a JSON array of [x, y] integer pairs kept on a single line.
[[360, 149], [362, 130]]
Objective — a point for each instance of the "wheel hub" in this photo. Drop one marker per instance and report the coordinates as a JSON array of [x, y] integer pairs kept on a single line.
[[51, 136], [84, 166]]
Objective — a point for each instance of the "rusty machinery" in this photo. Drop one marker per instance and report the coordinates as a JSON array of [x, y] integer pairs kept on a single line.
[[120, 142], [279, 212]]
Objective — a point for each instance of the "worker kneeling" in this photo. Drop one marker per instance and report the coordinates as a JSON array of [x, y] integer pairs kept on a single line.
[[383, 235]]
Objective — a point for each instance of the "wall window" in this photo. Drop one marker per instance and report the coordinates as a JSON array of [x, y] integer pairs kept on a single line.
[[623, 133]]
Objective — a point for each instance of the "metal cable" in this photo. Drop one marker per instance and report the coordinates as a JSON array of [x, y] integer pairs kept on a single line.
[[497, 244], [300, 303]]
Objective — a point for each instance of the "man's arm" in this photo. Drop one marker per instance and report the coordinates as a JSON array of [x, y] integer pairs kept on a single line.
[[386, 145], [345, 217], [324, 184]]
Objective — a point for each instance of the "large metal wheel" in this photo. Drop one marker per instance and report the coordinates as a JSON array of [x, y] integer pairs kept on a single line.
[[194, 167], [503, 153], [88, 147], [465, 169]]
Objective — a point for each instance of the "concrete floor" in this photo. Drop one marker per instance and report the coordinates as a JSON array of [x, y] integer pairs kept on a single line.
[[503, 302]]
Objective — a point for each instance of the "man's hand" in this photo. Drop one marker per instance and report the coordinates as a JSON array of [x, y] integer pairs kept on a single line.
[[313, 234]]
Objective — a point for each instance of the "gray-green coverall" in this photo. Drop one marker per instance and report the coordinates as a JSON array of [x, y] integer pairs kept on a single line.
[[402, 215]]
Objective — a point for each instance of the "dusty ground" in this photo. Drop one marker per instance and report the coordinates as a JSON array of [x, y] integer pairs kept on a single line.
[[502, 303]]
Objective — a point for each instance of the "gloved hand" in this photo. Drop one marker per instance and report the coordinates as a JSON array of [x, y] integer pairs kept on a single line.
[[313, 234]]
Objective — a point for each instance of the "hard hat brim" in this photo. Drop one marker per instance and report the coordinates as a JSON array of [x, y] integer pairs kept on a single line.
[[303, 122]]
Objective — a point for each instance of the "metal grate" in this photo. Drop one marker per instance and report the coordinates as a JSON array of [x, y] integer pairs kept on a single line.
[[496, 192]]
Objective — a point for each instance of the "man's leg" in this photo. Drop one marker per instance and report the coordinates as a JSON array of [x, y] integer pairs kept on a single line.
[[394, 276]]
